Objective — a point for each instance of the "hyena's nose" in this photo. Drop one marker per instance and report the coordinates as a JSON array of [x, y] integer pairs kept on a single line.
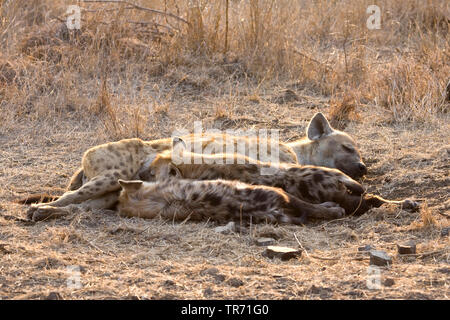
[[362, 168]]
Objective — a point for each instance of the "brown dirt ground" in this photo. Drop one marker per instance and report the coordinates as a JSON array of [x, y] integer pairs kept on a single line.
[[134, 258]]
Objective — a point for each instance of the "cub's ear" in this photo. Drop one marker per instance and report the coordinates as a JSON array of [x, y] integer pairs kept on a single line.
[[130, 186], [178, 149], [318, 127], [173, 171], [178, 142]]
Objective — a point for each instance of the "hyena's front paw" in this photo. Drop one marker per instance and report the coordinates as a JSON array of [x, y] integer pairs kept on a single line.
[[334, 209], [410, 205], [39, 213]]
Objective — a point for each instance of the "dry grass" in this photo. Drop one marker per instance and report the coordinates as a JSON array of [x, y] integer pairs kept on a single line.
[[270, 64]]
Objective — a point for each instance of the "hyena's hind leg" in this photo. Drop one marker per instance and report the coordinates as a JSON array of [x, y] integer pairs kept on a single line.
[[93, 189], [107, 201]]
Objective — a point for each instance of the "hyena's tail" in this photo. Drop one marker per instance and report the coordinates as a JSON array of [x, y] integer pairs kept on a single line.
[[37, 198]]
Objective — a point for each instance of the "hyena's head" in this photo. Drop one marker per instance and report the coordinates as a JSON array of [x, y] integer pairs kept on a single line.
[[332, 148]]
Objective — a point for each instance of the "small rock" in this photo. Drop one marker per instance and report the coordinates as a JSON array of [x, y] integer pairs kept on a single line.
[[235, 282], [408, 248], [367, 247], [228, 228], [380, 258], [208, 292], [283, 253], [210, 271], [169, 283], [262, 242], [445, 232], [3, 248], [389, 282], [54, 296], [219, 278], [214, 272]]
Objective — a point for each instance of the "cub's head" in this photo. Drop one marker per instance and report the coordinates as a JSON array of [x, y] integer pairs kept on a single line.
[[333, 148]]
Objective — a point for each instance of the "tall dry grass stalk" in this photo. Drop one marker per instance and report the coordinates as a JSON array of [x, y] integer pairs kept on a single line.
[[323, 45]]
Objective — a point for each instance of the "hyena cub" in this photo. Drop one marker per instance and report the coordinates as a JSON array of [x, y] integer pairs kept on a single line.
[[218, 200], [318, 185]]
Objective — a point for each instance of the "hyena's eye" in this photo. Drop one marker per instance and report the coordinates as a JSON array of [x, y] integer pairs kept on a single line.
[[172, 172], [348, 148]]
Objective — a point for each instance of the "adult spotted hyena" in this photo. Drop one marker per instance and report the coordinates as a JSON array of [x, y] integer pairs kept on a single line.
[[218, 200], [313, 184], [95, 185]]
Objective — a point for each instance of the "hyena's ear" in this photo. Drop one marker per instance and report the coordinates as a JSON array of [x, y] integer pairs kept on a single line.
[[178, 148], [173, 171], [130, 186], [177, 142], [318, 127]]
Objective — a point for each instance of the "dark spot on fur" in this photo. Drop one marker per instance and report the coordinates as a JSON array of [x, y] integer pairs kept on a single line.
[[80, 193], [252, 168], [113, 183], [116, 167], [213, 199], [98, 183], [259, 195], [321, 196], [124, 172], [279, 185], [302, 187], [261, 207], [122, 164], [194, 196], [231, 208], [116, 174], [318, 177]]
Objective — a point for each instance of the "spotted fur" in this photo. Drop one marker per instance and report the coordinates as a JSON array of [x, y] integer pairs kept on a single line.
[[312, 184], [217, 200]]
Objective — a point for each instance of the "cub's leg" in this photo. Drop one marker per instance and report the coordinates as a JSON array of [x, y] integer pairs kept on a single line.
[[326, 210], [107, 201]]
